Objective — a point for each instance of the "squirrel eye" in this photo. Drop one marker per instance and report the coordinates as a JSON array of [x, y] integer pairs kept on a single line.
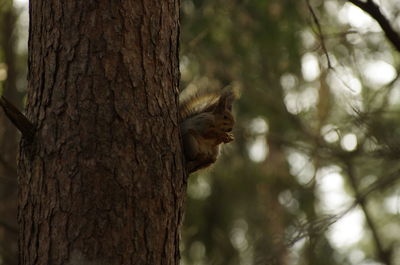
[[225, 117]]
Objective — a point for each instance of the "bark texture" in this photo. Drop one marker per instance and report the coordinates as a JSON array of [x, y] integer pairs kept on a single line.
[[103, 180]]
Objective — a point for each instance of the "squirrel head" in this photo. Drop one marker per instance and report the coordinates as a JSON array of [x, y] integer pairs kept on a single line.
[[223, 113]]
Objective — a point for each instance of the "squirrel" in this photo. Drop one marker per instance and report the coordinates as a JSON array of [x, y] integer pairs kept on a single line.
[[206, 122]]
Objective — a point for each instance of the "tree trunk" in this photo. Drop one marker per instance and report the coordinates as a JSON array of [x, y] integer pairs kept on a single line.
[[103, 180]]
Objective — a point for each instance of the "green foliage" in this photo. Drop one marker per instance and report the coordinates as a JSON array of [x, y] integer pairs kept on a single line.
[[330, 124]]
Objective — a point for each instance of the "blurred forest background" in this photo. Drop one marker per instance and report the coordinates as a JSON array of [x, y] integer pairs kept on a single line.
[[312, 177]]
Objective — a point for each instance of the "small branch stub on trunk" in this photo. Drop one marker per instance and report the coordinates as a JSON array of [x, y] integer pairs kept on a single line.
[[18, 119]]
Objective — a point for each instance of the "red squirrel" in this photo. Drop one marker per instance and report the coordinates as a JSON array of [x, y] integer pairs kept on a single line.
[[206, 122]]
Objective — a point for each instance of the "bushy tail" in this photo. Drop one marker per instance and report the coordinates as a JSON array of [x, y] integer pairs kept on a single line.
[[195, 101]]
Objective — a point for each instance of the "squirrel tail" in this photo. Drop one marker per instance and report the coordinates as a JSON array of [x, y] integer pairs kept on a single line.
[[195, 101]]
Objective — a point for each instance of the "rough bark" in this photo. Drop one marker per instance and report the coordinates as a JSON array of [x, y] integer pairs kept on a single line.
[[103, 180]]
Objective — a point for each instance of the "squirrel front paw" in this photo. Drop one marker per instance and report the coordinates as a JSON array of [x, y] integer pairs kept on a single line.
[[227, 137]]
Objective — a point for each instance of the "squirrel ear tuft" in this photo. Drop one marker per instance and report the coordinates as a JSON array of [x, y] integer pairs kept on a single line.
[[229, 95], [224, 103]]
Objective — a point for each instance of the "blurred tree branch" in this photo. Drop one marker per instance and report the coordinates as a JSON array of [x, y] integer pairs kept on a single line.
[[319, 34], [373, 10], [384, 255]]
